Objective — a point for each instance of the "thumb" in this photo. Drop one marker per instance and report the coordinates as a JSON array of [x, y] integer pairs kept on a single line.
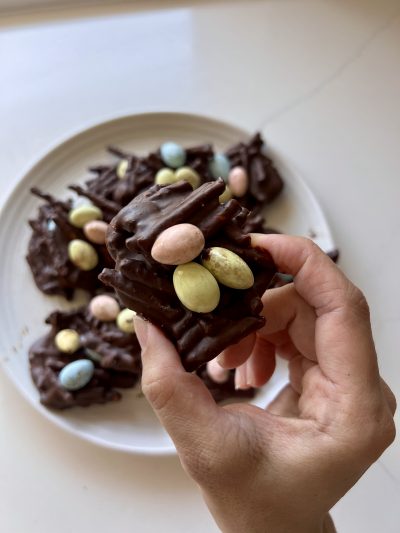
[[180, 399]]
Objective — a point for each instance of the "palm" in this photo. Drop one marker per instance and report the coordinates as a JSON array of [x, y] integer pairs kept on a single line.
[[309, 396]]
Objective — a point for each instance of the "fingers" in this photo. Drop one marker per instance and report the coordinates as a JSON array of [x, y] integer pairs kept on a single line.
[[180, 400], [290, 326], [261, 364], [343, 338], [258, 368], [389, 396], [286, 403], [236, 354], [241, 378], [287, 313], [318, 280], [298, 366]]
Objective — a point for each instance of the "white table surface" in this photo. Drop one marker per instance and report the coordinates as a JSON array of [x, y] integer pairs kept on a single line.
[[322, 81]]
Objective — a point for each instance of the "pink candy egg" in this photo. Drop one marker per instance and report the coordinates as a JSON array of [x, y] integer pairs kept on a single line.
[[178, 244], [238, 181], [104, 308], [95, 231]]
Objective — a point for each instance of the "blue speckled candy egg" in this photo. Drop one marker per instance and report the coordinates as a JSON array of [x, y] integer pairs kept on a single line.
[[77, 374], [220, 166], [173, 154]]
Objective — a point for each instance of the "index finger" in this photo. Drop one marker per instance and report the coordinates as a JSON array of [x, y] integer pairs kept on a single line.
[[343, 338]]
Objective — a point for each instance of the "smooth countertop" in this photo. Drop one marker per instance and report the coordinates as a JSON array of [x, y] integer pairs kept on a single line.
[[322, 81]]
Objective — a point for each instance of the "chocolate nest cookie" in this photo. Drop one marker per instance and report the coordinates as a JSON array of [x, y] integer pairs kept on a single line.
[[49, 251], [97, 351], [114, 357], [115, 185], [156, 290], [264, 181]]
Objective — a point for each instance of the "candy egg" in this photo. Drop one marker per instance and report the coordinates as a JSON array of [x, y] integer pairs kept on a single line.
[[79, 216], [67, 340], [173, 154], [122, 168], [125, 321], [104, 308], [77, 374], [165, 176], [225, 196], [220, 166], [51, 225], [196, 288], [189, 175], [82, 254], [178, 244], [216, 372], [228, 268], [95, 231], [78, 201], [238, 181]]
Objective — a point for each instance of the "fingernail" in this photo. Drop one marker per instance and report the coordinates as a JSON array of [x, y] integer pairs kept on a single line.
[[241, 378], [220, 360], [141, 330]]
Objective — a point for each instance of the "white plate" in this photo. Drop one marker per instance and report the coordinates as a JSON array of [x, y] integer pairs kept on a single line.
[[129, 425]]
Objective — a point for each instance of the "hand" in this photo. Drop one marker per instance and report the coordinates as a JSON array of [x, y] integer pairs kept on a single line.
[[283, 468]]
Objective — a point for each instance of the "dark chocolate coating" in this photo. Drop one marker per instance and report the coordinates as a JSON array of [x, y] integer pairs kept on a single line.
[[110, 193], [255, 223], [199, 158], [265, 183], [119, 364], [47, 254], [146, 286]]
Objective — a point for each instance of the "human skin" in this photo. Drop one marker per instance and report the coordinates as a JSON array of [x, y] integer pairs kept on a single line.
[[283, 468]]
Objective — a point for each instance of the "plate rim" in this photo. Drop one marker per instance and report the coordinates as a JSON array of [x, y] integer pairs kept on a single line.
[[30, 169]]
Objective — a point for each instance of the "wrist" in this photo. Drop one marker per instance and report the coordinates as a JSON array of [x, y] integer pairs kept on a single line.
[[254, 525], [242, 516], [290, 524]]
